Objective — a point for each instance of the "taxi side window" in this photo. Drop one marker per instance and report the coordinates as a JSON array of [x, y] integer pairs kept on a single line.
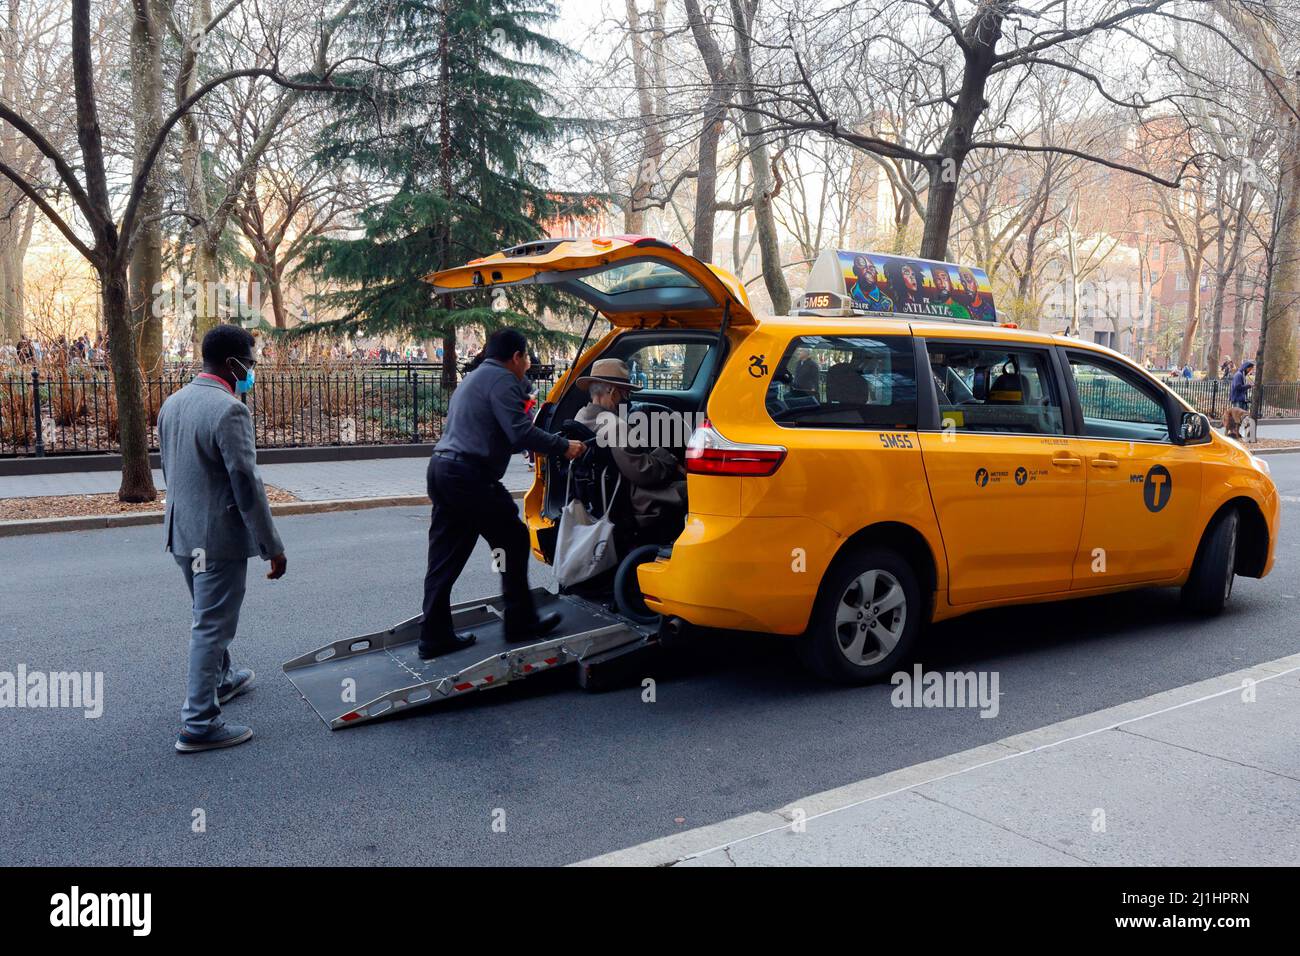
[[987, 389], [667, 366], [845, 381], [1115, 405]]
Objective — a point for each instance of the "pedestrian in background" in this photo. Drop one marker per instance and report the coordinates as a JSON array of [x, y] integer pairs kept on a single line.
[[217, 517]]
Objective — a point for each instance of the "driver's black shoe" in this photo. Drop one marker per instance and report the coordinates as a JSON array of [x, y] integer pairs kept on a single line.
[[458, 642], [538, 629]]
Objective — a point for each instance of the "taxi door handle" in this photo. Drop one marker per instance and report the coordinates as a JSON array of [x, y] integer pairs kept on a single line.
[[1065, 461], [1104, 461]]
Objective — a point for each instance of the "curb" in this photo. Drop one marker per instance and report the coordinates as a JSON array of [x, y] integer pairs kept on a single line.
[[716, 837], [10, 529]]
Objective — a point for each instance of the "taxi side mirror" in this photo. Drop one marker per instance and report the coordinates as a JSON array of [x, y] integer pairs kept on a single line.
[[1194, 429]]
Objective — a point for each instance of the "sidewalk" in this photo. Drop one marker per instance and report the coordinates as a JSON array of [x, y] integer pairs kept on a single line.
[[309, 481], [1279, 432], [1192, 776]]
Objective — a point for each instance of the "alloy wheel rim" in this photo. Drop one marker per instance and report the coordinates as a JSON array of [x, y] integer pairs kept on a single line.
[[870, 617]]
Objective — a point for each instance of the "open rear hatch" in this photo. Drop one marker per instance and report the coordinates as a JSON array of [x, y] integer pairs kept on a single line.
[[635, 281]]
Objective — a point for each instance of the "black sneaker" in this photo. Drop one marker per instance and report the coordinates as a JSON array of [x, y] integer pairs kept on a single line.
[[458, 642], [227, 735], [539, 628]]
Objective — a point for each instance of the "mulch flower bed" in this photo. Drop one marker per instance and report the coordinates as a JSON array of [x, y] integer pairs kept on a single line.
[[76, 506]]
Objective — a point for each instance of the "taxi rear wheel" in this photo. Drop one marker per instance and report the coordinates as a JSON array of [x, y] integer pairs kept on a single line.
[[866, 618], [1209, 585]]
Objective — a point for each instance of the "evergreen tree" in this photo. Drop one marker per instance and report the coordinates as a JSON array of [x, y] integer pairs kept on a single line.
[[447, 112]]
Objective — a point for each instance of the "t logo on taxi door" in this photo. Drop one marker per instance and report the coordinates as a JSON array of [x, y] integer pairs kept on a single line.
[[1158, 488]]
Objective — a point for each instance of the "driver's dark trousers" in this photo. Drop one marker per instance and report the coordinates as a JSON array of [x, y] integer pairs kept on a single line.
[[469, 502]]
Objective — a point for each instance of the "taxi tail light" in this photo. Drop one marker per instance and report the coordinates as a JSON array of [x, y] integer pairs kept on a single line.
[[710, 453]]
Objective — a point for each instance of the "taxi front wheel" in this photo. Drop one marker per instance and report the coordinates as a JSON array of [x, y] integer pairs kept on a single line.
[[866, 618], [1209, 585]]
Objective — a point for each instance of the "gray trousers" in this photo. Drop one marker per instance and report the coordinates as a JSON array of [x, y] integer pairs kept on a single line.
[[217, 594]]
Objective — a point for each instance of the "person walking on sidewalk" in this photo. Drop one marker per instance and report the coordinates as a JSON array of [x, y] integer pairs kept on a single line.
[[486, 425], [217, 517], [1238, 400]]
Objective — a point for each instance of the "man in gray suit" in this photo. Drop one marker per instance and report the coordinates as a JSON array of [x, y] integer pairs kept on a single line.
[[217, 518]]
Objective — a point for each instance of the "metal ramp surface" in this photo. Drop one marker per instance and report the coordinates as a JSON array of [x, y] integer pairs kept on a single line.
[[359, 679]]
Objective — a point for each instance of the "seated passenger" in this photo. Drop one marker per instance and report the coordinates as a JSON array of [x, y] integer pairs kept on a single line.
[[845, 382], [804, 383], [658, 480]]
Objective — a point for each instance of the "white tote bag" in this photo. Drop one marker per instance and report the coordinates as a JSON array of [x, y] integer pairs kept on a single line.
[[584, 546]]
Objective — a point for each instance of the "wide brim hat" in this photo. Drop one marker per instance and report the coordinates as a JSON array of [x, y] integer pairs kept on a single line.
[[609, 371]]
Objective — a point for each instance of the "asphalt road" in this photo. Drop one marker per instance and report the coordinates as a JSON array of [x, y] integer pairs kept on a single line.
[[736, 726]]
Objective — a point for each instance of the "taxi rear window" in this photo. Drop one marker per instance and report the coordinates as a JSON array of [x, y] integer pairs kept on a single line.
[[845, 381]]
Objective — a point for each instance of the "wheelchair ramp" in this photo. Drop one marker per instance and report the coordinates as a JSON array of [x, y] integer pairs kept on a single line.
[[359, 679]]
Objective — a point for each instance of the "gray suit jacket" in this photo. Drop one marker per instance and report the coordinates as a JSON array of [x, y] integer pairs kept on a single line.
[[215, 497]]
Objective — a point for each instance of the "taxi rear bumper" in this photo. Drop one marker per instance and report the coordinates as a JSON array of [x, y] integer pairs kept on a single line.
[[744, 573]]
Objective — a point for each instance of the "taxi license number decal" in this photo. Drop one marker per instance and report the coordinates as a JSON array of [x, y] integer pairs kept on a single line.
[[895, 440]]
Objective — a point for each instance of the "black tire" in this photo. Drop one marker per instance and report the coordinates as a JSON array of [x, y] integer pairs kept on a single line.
[[1209, 585], [831, 639], [627, 589]]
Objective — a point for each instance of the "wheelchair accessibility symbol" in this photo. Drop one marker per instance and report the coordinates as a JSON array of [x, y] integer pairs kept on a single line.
[[757, 367]]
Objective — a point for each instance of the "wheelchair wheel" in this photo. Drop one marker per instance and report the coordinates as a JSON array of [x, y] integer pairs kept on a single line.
[[627, 590]]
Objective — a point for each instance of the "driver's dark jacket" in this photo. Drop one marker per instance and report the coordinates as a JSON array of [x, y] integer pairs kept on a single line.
[[486, 422], [658, 488]]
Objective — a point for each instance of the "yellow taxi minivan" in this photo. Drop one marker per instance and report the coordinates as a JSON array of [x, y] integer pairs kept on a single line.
[[889, 454]]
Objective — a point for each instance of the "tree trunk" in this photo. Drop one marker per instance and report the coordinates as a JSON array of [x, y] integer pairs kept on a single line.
[[1279, 356], [207, 277], [1193, 310], [133, 435], [715, 113], [277, 296], [652, 142], [1240, 310], [1213, 350], [11, 291], [448, 376], [769, 246], [12, 202], [982, 33], [146, 255]]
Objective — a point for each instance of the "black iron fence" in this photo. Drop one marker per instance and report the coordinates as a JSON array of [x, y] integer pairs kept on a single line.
[[74, 410], [1210, 396], [1110, 398]]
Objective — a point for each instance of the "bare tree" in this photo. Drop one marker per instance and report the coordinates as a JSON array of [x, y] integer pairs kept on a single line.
[[34, 71], [212, 205], [107, 240], [769, 246], [647, 66], [1266, 30], [956, 60]]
